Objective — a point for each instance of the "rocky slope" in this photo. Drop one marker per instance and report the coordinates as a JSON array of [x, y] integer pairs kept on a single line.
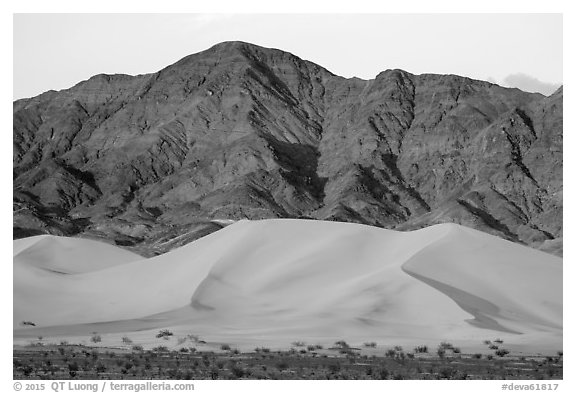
[[241, 131]]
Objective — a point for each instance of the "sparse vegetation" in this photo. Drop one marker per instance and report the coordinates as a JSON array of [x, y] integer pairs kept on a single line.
[[164, 333], [441, 352], [126, 340], [421, 349], [342, 344], [96, 338], [370, 345], [446, 345], [79, 362]]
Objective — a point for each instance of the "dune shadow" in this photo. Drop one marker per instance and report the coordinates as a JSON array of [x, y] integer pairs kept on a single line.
[[481, 309]]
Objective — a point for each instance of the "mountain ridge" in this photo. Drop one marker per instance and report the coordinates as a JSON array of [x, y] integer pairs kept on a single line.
[[241, 131]]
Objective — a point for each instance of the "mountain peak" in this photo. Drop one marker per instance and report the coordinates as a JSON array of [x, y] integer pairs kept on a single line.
[[243, 131]]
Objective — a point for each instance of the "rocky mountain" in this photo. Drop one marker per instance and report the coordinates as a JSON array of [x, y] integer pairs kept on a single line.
[[154, 161]]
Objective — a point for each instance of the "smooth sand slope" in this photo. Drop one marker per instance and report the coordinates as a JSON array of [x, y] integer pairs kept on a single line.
[[277, 281]]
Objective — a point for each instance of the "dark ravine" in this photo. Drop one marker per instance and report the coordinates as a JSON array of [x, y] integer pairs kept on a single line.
[[240, 131]]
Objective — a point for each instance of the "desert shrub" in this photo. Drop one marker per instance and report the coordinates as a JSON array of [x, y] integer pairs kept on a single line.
[[342, 344], [318, 346], [492, 346], [390, 353], [502, 352], [96, 338], [421, 349], [560, 353], [410, 355], [137, 348], [370, 345], [400, 355], [499, 341], [311, 348], [238, 371], [398, 348], [126, 340], [225, 347], [487, 342], [456, 350], [446, 345], [441, 352], [489, 356], [160, 348], [184, 350], [236, 351], [298, 344], [477, 356], [164, 333]]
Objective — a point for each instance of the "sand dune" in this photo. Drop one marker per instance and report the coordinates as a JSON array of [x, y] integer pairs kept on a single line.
[[68, 255], [283, 280]]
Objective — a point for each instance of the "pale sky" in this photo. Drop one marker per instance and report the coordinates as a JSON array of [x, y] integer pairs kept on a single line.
[[56, 51]]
